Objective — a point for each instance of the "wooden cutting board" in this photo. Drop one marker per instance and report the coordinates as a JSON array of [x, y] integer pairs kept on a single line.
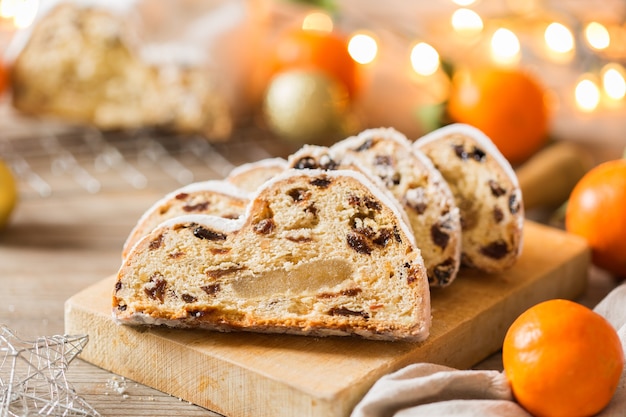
[[247, 374]]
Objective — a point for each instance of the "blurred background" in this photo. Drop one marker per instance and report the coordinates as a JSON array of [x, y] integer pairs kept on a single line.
[[128, 95], [106, 105]]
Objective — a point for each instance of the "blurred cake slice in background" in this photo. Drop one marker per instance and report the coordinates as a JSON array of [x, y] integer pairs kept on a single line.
[[84, 65]]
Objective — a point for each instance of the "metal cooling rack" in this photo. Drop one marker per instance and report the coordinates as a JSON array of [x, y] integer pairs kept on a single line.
[[56, 162]]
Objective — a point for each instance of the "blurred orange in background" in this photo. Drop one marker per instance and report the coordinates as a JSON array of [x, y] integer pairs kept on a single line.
[[507, 104], [322, 50], [4, 77]]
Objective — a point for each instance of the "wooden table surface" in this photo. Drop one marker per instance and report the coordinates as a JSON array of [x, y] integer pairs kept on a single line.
[[57, 245]]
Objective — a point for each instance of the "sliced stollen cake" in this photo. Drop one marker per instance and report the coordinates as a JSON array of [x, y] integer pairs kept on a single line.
[[317, 253], [323, 157], [251, 175], [215, 197], [414, 182], [486, 190]]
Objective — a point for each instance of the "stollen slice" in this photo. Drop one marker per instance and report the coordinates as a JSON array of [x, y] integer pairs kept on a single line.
[[215, 197], [487, 193], [318, 253]]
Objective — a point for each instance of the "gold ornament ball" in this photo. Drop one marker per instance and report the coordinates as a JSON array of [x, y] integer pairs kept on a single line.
[[307, 106]]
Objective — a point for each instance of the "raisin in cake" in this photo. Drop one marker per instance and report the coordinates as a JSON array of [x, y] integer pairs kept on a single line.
[[412, 179], [214, 197], [251, 175], [317, 253], [487, 193]]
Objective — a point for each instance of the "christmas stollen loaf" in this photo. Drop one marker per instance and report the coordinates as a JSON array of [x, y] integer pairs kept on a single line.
[[414, 182], [215, 197], [487, 193], [317, 253]]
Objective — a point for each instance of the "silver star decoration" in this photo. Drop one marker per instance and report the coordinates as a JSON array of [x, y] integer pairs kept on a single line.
[[32, 376]]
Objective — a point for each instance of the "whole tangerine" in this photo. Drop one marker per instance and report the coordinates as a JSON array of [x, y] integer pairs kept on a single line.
[[562, 360], [508, 105], [596, 210]]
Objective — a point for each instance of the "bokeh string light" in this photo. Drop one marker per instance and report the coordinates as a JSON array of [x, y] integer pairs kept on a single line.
[[21, 12], [466, 22], [517, 34], [523, 36], [363, 48]]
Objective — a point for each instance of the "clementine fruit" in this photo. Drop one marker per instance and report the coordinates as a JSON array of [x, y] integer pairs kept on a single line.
[[562, 359], [596, 210], [508, 105], [316, 50], [8, 194], [4, 77]]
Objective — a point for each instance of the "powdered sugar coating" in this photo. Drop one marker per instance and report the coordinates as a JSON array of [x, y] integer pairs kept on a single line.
[[213, 186], [218, 186], [480, 137], [381, 132], [251, 175], [219, 224], [261, 163]]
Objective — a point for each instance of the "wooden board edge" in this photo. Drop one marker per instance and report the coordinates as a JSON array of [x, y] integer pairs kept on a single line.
[[216, 381]]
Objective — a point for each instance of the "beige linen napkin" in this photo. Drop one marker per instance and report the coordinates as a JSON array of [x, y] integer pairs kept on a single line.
[[426, 389]]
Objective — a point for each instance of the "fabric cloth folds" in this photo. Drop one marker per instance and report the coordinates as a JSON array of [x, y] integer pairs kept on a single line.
[[426, 389]]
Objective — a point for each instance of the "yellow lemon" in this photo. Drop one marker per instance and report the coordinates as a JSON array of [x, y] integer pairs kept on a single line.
[[8, 194]]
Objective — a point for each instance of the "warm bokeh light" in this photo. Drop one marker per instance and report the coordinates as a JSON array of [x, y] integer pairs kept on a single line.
[[505, 46], [7, 8], [613, 81], [587, 94], [559, 38], [26, 13], [463, 3], [23, 12], [466, 22], [363, 48], [597, 35], [318, 21], [424, 59]]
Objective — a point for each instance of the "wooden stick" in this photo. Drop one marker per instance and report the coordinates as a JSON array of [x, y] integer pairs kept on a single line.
[[547, 179]]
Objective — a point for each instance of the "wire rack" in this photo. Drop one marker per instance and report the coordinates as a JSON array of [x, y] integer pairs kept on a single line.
[[52, 161]]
